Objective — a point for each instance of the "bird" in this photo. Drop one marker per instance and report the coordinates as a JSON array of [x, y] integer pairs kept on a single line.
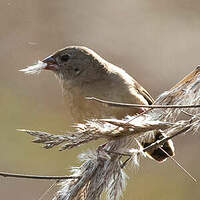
[[83, 73]]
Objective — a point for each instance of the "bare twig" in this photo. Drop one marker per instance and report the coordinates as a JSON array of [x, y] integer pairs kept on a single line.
[[180, 166], [13, 175], [116, 104]]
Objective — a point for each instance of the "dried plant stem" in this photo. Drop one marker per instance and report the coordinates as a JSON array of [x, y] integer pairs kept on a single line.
[[5, 174], [180, 166], [158, 143], [153, 145], [162, 141], [111, 103]]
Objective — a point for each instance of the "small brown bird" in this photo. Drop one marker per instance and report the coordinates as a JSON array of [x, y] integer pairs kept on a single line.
[[83, 73]]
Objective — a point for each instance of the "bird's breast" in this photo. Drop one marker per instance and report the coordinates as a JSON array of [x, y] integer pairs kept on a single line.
[[81, 109]]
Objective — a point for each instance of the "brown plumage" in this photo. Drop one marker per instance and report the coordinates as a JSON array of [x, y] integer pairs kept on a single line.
[[83, 73]]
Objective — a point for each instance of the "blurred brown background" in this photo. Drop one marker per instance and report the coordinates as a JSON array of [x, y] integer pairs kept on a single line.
[[157, 42]]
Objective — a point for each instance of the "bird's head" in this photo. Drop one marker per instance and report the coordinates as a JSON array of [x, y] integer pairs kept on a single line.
[[75, 64]]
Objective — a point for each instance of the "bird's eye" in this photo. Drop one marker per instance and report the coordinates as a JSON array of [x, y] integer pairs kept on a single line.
[[77, 70], [64, 58]]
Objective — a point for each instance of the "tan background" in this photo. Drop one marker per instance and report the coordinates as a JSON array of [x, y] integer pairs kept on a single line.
[[157, 42]]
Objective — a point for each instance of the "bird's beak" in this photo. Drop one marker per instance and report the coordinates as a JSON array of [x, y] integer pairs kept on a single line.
[[51, 63]]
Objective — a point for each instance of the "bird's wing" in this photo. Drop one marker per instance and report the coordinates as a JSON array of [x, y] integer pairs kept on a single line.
[[144, 93]]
